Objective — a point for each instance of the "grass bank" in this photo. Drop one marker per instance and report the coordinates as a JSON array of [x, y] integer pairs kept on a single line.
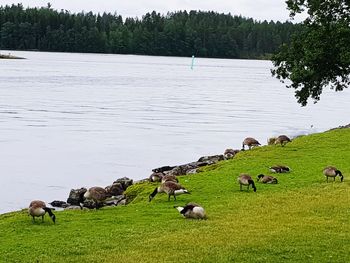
[[302, 219]]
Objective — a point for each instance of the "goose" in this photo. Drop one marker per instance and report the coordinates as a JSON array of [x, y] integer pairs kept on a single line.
[[271, 141], [230, 153], [192, 210], [38, 208], [170, 188], [250, 142], [156, 177], [279, 169], [246, 179], [331, 171], [172, 178], [97, 194], [283, 140], [266, 179]]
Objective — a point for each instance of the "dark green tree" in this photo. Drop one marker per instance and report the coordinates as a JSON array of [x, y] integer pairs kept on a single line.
[[182, 33], [319, 55]]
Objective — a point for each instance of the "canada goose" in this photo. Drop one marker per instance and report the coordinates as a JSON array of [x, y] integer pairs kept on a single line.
[[246, 179], [170, 188], [331, 171], [266, 179], [169, 177], [97, 194], [192, 210], [271, 141], [279, 169], [156, 177], [250, 142], [163, 169], [38, 208], [230, 153], [283, 140]]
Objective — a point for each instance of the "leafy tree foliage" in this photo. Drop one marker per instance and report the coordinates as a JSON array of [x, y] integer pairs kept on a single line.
[[319, 55], [205, 34]]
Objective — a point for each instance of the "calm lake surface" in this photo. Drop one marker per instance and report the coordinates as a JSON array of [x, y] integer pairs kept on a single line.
[[73, 120]]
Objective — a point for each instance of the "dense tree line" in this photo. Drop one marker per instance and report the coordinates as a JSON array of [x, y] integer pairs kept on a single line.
[[205, 34]]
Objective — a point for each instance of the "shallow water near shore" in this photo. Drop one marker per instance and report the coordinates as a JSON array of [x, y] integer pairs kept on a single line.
[[72, 120]]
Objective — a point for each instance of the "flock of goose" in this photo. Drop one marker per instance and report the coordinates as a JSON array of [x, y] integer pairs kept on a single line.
[[170, 186]]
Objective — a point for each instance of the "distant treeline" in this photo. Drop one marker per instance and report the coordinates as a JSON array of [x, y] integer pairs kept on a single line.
[[204, 34]]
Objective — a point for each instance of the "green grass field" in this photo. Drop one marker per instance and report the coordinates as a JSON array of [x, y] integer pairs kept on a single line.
[[301, 219]]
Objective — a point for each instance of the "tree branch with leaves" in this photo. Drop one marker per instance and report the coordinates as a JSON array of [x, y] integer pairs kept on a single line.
[[318, 56]]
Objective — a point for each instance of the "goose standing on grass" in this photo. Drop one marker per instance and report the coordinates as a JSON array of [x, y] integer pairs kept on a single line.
[[246, 179], [250, 142], [331, 171], [97, 194], [266, 179], [171, 178], [283, 140], [156, 177], [170, 188], [192, 210], [38, 208], [279, 169]]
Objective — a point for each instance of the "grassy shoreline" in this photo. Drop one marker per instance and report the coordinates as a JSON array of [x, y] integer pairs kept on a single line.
[[302, 219]]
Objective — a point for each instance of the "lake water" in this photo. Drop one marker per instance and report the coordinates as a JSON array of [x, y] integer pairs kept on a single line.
[[73, 120]]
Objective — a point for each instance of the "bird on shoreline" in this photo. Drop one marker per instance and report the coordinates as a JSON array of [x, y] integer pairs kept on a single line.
[[266, 179], [96, 194], [171, 178], [192, 210], [283, 140], [246, 179], [170, 188], [230, 153], [38, 208], [156, 177], [250, 142], [331, 171]]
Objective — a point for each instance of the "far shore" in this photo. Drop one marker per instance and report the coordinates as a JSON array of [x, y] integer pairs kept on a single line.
[[9, 56]]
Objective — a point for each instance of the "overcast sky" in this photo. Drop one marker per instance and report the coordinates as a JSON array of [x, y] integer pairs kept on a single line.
[[257, 9]]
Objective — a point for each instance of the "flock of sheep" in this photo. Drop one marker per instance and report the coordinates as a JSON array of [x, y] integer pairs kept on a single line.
[[170, 186]]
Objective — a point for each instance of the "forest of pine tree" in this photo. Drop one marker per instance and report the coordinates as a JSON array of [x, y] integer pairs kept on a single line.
[[182, 33]]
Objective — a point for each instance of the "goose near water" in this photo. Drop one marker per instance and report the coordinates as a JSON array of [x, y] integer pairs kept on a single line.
[[266, 179], [331, 171], [283, 140], [250, 142], [97, 194], [171, 178], [156, 177], [246, 179], [192, 210], [38, 208], [170, 188]]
